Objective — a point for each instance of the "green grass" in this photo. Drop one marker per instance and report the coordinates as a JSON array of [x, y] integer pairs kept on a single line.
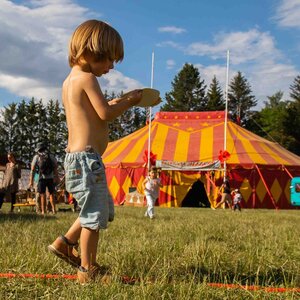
[[174, 255]]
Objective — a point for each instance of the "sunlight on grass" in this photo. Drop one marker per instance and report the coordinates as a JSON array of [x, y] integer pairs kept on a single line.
[[174, 256]]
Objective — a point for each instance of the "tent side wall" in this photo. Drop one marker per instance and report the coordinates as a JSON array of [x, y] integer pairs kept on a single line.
[[121, 178], [267, 188]]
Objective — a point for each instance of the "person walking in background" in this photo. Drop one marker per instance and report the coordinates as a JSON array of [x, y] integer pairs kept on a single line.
[[151, 186], [94, 48], [46, 164], [226, 195], [10, 184], [237, 199]]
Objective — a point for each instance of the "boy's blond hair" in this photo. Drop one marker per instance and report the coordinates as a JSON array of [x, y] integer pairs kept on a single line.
[[95, 39]]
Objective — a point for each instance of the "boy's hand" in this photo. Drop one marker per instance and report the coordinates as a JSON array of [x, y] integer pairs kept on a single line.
[[134, 96]]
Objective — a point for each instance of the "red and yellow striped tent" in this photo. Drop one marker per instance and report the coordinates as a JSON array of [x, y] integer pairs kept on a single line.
[[259, 168]]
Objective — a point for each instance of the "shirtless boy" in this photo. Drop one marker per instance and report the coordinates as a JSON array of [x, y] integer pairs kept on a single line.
[[94, 48]]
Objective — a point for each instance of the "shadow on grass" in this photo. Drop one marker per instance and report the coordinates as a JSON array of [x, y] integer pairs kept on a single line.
[[24, 217], [271, 277]]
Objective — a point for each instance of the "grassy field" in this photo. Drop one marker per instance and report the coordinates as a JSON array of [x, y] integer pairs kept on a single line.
[[175, 256]]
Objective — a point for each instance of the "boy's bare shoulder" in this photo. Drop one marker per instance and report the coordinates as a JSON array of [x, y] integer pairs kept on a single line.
[[81, 76]]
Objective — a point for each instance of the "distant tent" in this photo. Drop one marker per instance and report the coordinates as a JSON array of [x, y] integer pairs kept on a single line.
[[261, 169]]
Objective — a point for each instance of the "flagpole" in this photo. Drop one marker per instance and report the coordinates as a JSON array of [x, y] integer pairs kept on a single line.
[[226, 112], [150, 114]]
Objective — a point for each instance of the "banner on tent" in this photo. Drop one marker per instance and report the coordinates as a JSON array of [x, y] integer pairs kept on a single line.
[[188, 165]]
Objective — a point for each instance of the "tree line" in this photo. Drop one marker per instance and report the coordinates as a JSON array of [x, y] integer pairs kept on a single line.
[[277, 121], [24, 124]]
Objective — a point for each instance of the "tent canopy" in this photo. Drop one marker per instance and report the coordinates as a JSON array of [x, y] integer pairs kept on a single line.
[[197, 136]]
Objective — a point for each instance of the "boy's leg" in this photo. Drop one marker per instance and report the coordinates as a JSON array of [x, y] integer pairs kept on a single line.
[[66, 247], [74, 232], [148, 199], [150, 203], [88, 245]]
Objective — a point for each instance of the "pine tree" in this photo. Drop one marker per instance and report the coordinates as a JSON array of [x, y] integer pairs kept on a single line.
[[271, 118], [130, 121], [188, 92], [240, 99], [295, 89], [32, 125], [9, 125], [215, 100], [21, 133], [56, 137], [292, 118]]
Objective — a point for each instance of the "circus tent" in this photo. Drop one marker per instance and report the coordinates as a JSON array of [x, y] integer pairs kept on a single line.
[[261, 169]]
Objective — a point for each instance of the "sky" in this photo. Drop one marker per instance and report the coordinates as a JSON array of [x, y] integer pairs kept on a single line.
[[262, 36]]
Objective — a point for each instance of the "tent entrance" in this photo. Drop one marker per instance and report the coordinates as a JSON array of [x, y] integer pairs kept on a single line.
[[196, 196]]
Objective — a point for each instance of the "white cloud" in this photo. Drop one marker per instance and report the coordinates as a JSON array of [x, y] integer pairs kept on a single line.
[[244, 47], [172, 29], [268, 78], [170, 44], [116, 82], [254, 53], [288, 13], [28, 88], [170, 64], [207, 73], [34, 39], [265, 79]]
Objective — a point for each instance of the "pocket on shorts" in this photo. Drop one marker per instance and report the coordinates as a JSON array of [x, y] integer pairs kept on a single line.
[[74, 178], [96, 172]]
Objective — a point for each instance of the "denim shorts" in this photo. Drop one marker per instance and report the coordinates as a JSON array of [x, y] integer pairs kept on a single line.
[[86, 181]]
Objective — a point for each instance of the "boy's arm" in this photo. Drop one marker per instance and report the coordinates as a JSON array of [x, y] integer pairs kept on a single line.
[[106, 111]]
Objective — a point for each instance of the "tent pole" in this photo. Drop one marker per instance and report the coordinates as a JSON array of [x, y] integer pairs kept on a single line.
[[287, 171], [226, 112], [150, 115], [265, 184]]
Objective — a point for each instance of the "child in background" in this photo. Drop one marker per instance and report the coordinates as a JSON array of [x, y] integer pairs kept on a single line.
[[94, 48], [151, 186], [237, 198], [226, 197]]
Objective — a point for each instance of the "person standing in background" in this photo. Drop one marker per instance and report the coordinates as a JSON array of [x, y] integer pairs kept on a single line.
[[237, 199], [10, 185], [47, 166], [226, 195]]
